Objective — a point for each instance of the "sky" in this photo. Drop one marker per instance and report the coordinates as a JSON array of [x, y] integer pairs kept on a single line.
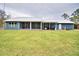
[[46, 10]]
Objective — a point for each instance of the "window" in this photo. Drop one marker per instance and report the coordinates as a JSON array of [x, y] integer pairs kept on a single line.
[[14, 24], [9, 22]]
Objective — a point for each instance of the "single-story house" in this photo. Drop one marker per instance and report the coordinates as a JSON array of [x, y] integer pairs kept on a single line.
[[38, 23]]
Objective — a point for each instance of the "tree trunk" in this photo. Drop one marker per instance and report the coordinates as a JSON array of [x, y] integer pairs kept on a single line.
[[1, 22]]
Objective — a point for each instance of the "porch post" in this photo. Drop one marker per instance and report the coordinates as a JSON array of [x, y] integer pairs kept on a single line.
[[41, 26], [60, 27], [73, 26], [55, 26], [30, 25], [10, 26], [18, 23], [49, 25]]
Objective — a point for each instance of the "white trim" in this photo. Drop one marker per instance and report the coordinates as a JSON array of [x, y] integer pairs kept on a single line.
[[38, 20], [55, 26]]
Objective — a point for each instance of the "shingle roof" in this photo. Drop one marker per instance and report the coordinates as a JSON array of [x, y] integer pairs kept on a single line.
[[32, 19]]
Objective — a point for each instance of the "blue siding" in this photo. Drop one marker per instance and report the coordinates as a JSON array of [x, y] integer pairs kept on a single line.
[[8, 25], [57, 26], [54, 25], [68, 26]]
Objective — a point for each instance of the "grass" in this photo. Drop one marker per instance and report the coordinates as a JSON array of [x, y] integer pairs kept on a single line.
[[39, 43]]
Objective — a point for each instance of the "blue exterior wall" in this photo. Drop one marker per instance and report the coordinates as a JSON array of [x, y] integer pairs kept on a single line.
[[52, 25], [8, 25], [57, 26], [66, 26]]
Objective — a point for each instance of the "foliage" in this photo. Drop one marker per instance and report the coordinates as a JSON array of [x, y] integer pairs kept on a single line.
[[3, 16], [65, 16], [75, 16], [76, 13], [1, 22]]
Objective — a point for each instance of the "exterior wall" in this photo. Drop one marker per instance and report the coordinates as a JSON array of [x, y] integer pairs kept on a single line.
[[11, 25], [67, 26], [57, 26], [52, 26], [18, 25]]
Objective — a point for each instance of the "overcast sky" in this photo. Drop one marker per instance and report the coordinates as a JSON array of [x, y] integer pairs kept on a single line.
[[52, 10]]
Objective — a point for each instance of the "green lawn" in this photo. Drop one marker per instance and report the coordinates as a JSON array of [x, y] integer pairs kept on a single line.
[[39, 42]]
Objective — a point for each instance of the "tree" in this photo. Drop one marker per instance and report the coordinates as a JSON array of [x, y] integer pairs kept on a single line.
[[76, 13], [8, 16], [65, 16], [3, 16], [75, 16]]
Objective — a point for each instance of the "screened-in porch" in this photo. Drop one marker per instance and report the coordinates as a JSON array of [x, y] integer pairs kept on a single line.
[[38, 25], [31, 25], [49, 26]]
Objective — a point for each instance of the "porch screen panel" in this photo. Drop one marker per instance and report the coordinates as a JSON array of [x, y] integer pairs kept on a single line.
[[25, 25], [36, 25]]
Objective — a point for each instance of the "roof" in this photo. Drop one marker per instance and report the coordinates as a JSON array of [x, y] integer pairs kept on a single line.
[[32, 19]]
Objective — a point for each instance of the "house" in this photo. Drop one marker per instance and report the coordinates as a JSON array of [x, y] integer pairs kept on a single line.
[[38, 23]]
